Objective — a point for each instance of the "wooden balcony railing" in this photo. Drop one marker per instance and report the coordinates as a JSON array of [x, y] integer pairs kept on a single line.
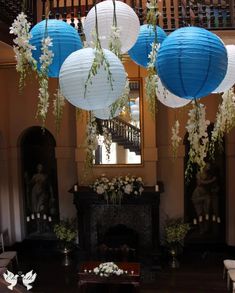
[[210, 14]]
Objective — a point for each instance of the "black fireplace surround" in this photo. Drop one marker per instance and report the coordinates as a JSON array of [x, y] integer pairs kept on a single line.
[[135, 222]]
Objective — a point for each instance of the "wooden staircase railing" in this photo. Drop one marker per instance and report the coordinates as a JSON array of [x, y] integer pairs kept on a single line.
[[123, 133], [210, 14]]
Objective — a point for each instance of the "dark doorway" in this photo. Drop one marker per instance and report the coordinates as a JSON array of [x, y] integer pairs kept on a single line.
[[39, 171], [205, 199]]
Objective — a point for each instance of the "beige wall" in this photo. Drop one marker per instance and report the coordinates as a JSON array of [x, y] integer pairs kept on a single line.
[[17, 113]]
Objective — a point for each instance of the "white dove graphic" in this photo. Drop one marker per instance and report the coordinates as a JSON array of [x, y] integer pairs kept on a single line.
[[28, 279], [11, 279]]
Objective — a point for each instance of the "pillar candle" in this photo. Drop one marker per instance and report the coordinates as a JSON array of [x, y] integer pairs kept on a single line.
[[32, 217], [44, 217]]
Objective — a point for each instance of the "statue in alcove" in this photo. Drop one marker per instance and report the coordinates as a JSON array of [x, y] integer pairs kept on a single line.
[[40, 193], [205, 198]]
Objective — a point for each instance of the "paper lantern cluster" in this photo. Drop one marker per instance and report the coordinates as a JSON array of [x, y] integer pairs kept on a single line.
[[65, 40], [100, 94], [192, 62], [139, 53], [127, 21]]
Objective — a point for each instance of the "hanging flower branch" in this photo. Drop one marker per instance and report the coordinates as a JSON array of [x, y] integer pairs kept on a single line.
[[175, 138], [197, 137], [107, 141], [151, 79], [121, 102], [114, 38], [99, 59], [22, 48], [45, 60], [91, 141], [225, 120], [58, 105]]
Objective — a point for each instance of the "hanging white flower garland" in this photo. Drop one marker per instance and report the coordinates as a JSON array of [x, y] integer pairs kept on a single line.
[[175, 138], [58, 105], [22, 48], [197, 137]]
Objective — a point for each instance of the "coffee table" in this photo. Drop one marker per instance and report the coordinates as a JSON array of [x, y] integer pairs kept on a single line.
[[86, 275]]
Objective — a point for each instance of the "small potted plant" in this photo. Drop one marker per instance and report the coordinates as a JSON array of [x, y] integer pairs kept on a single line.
[[175, 231], [66, 233]]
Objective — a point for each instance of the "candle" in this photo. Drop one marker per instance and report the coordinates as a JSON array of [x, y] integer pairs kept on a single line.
[[132, 272], [207, 217], [85, 271], [218, 220], [44, 217], [156, 188], [49, 219], [32, 217], [195, 221], [38, 215], [28, 219], [75, 187], [213, 218], [200, 218]]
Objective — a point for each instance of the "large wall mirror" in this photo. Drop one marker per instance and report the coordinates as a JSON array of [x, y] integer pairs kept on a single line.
[[126, 132]]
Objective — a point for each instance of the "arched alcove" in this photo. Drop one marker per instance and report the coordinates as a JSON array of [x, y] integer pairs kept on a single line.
[[205, 198], [39, 172]]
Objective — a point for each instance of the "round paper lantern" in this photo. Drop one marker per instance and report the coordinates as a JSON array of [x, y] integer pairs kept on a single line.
[[167, 98], [229, 78], [134, 107], [105, 114], [192, 62], [99, 94], [127, 21], [135, 115], [140, 51], [65, 40]]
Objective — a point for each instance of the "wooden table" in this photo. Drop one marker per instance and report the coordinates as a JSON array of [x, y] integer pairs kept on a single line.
[[131, 278]]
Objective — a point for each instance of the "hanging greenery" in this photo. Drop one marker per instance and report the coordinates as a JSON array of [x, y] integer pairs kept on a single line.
[[175, 138], [58, 105], [22, 48], [99, 60], [197, 137]]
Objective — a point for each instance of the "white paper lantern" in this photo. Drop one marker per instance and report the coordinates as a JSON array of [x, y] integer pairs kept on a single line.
[[135, 115], [105, 114], [229, 78], [127, 21], [134, 107], [100, 94], [167, 98]]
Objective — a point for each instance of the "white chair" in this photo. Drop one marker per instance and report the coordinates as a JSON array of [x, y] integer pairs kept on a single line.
[[6, 255], [231, 277], [229, 264]]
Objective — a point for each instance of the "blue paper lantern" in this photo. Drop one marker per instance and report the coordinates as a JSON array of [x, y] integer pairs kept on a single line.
[[65, 40], [192, 62], [140, 51]]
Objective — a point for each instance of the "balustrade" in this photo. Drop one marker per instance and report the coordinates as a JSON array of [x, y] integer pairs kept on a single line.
[[209, 14]]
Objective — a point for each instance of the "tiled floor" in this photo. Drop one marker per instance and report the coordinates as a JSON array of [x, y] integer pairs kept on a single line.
[[199, 272]]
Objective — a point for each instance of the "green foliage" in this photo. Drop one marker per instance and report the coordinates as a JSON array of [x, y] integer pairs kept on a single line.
[[65, 230], [175, 231]]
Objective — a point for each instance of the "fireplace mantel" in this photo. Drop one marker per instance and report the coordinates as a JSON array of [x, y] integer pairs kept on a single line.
[[90, 206]]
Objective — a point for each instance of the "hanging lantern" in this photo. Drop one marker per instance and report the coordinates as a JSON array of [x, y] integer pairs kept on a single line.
[[192, 62], [100, 94], [105, 114], [127, 21], [139, 53], [229, 78], [167, 98], [65, 40]]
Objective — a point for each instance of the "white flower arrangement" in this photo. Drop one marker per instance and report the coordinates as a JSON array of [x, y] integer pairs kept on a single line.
[[225, 120], [58, 105], [46, 59], [175, 138], [197, 137], [108, 269], [114, 189], [107, 141], [115, 41], [22, 48]]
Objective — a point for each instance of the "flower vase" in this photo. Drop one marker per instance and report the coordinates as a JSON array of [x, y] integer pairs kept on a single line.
[[174, 263]]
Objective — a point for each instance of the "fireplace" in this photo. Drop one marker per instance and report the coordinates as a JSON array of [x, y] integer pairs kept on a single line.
[[134, 223]]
